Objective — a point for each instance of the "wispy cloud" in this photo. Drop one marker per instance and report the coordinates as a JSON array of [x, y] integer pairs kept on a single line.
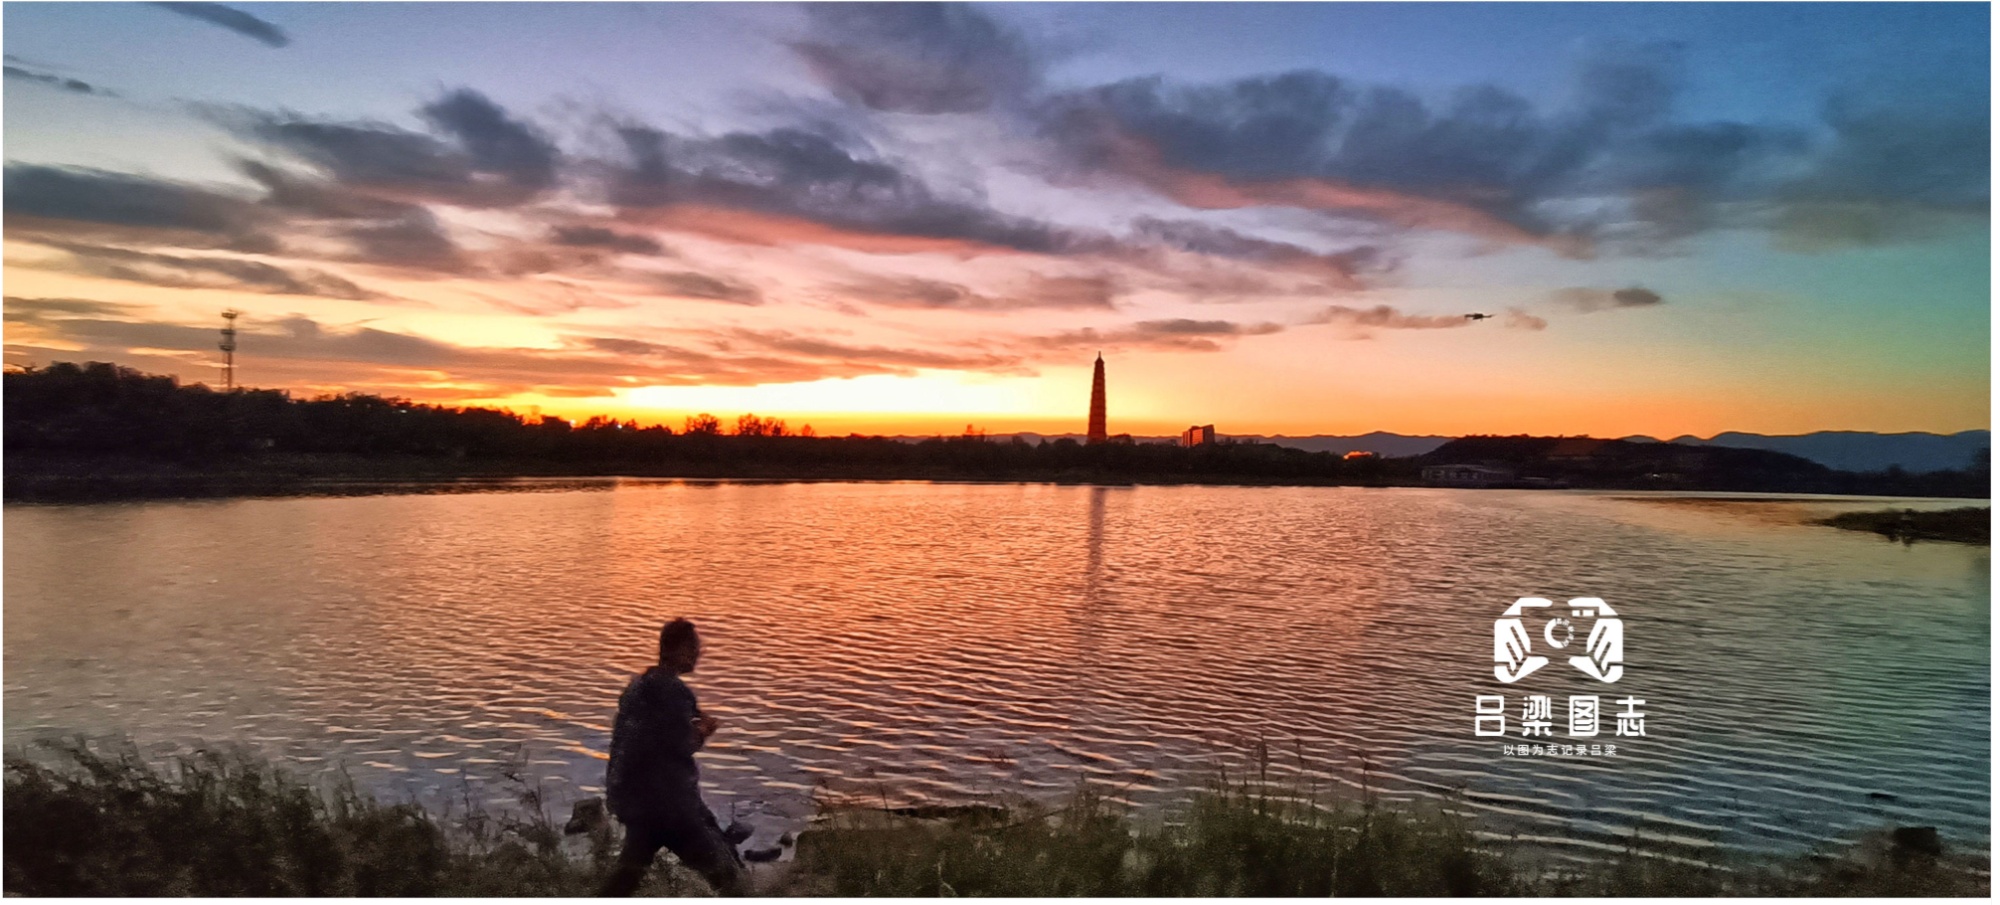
[[1611, 171], [585, 236], [1173, 334], [76, 86], [22, 310], [1520, 319], [1037, 292], [100, 198], [916, 57], [689, 284], [188, 272], [233, 19], [1347, 269], [1386, 317], [835, 183], [1588, 300], [477, 154], [301, 351], [1186, 192], [882, 358]]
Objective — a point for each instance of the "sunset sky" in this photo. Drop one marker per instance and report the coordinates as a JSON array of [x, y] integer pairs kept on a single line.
[[1683, 218]]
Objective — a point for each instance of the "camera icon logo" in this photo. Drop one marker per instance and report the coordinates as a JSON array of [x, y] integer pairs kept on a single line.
[[1514, 657]]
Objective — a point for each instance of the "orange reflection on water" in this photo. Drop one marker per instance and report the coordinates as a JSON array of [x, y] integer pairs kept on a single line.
[[951, 641]]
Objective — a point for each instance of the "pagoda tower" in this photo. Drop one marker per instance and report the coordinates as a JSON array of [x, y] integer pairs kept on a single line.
[[1096, 433]]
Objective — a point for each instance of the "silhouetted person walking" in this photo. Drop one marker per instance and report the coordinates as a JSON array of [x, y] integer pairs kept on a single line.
[[652, 783]]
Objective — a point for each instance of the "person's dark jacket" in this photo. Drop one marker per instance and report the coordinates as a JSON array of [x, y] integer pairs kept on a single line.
[[652, 775]]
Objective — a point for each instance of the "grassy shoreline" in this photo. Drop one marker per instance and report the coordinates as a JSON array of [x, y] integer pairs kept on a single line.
[[37, 482], [93, 821], [29, 481], [1968, 525]]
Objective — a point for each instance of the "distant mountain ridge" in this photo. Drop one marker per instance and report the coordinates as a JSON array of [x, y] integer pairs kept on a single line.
[[1844, 450], [1863, 451]]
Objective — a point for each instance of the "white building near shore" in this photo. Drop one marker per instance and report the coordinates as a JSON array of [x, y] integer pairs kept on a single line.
[[1466, 475]]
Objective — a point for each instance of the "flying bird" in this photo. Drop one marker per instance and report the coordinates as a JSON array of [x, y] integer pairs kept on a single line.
[[1477, 317]]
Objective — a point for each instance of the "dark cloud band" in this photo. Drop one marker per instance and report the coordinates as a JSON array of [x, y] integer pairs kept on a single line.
[[231, 18]]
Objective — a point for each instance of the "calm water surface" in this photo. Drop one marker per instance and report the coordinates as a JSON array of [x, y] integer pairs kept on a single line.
[[925, 642]]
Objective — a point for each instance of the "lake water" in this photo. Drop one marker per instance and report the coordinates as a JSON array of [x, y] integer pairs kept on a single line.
[[916, 642]]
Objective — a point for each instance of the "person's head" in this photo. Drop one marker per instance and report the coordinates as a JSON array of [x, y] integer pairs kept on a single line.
[[680, 647]]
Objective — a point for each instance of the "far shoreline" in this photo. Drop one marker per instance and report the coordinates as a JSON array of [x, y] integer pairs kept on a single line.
[[1969, 525], [46, 483], [46, 488], [99, 432]]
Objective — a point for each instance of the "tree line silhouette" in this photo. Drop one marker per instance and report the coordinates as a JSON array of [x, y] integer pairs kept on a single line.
[[97, 411], [98, 429]]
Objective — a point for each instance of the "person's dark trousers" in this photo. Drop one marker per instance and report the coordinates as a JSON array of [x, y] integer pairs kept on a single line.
[[699, 845]]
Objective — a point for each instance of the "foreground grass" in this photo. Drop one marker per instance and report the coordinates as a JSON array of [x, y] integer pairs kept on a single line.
[[97, 823], [107, 823], [1252, 840], [1970, 525]]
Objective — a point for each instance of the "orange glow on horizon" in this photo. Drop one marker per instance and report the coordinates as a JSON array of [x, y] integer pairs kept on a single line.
[[1012, 410], [1603, 377]]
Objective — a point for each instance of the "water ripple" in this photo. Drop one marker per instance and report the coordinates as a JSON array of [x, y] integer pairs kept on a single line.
[[911, 642]]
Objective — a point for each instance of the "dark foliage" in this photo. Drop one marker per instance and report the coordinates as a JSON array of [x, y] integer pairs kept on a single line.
[[83, 820], [1971, 525], [102, 431], [69, 415], [99, 820]]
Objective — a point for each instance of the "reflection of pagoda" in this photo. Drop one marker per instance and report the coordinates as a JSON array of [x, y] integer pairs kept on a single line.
[[1096, 432]]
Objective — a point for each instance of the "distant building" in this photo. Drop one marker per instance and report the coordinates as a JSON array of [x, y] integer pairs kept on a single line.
[[1198, 435], [1096, 432], [1466, 475], [1358, 454]]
